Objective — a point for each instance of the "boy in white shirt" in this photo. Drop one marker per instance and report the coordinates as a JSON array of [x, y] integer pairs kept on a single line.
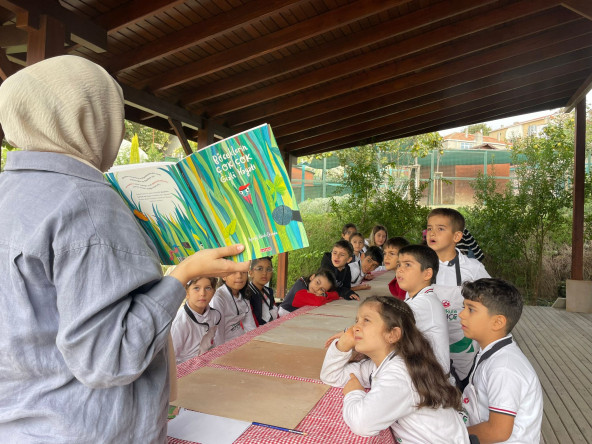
[[416, 271], [444, 230], [504, 399], [369, 261]]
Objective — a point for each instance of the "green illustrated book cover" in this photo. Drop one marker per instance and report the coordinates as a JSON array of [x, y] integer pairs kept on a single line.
[[234, 191]]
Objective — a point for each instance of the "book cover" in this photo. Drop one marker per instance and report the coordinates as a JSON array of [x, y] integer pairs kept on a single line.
[[234, 191]]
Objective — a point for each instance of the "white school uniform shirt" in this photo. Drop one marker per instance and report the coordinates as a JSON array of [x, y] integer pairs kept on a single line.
[[506, 383], [391, 402], [191, 339], [462, 350], [237, 317], [357, 276], [431, 321]]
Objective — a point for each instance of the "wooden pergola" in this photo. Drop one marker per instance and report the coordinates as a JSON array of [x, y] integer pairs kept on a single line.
[[326, 74]]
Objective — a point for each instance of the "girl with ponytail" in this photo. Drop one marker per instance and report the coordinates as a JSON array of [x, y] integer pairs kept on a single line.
[[408, 388]]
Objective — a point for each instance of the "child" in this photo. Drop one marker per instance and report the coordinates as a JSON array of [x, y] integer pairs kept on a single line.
[[417, 270], [237, 316], [347, 231], [336, 260], [377, 237], [261, 296], [504, 397], [357, 241], [315, 290], [391, 259], [194, 327], [408, 389], [370, 260], [444, 231]]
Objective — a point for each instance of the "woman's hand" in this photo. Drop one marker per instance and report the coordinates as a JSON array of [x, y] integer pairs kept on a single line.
[[210, 262], [352, 384]]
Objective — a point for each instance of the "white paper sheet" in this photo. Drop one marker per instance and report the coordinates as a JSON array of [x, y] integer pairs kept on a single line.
[[205, 429]]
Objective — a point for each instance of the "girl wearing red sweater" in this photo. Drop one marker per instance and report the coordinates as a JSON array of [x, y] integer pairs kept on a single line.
[[315, 290]]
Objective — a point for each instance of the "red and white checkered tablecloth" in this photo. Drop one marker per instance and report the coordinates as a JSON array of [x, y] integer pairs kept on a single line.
[[324, 423]]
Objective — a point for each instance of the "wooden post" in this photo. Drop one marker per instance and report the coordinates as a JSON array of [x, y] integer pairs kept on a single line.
[[180, 133], [577, 237], [282, 274], [47, 41]]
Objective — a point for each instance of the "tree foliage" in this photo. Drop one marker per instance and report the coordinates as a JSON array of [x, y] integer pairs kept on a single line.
[[515, 224], [472, 129]]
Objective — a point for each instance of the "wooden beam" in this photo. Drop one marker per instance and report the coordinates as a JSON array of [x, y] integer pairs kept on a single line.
[[521, 36], [579, 95], [133, 11], [7, 68], [443, 34], [413, 85], [577, 236], [582, 7], [380, 108], [46, 42], [148, 102], [485, 112], [474, 99], [335, 48], [10, 35], [178, 129], [266, 44], [281, 286], [79, 29], [195, 34]]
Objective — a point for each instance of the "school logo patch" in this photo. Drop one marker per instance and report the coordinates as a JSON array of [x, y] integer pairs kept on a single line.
[[446, 303], [466, 400]]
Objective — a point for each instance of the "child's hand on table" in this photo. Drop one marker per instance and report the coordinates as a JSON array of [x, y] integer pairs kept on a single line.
[[352, 384], [369, 277], [364, 287], [354, 296]]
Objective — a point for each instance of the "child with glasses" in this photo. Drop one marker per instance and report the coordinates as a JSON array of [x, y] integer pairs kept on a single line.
[[259, 294], [315, 290], [195, 324]]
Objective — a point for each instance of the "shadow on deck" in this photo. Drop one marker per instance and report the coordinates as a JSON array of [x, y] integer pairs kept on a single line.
[[559, 347]]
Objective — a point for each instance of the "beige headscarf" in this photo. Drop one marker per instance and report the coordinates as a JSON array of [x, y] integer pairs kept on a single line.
[[66, 105]]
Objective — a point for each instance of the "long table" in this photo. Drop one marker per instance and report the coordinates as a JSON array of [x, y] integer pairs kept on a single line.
[[239, 358]]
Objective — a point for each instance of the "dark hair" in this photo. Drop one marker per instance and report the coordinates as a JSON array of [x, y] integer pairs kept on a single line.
[[426, 257], [356, 234], [375, 230], [375, 254], [457, 220], [396, 242], [500, 298], [426, 373], [347, 227], [328, 274], [213, 281], [257, 260], [346, 245]]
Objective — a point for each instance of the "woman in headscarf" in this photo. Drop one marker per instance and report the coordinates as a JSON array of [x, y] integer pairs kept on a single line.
[[84, 308]]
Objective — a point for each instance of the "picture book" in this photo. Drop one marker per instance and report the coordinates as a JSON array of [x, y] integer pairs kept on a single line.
[[234, 191]]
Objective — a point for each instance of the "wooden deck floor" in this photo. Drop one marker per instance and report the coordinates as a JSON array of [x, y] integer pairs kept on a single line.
[[559, 346]]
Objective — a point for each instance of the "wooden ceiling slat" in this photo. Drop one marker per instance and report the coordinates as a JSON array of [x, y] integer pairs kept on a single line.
[[427, 40], [482, 75], [197, 33], [414, 70], [344, 45], [532, 78], [516, 101], [274, 41], [582, 7], [133, 11], [579, 95]]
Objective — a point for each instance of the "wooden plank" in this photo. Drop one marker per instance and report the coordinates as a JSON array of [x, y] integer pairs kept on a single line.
[[582, 7], [133, 11], [547, 338], [47, 41], [266, 44], [180, 133], [579, 179], [371, 59]]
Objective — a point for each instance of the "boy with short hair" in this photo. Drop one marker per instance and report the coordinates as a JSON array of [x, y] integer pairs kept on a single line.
[[369, 261], [391, 259], [336, 260], [504, 397], [444, 230], [416, 272], [348, 230]]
